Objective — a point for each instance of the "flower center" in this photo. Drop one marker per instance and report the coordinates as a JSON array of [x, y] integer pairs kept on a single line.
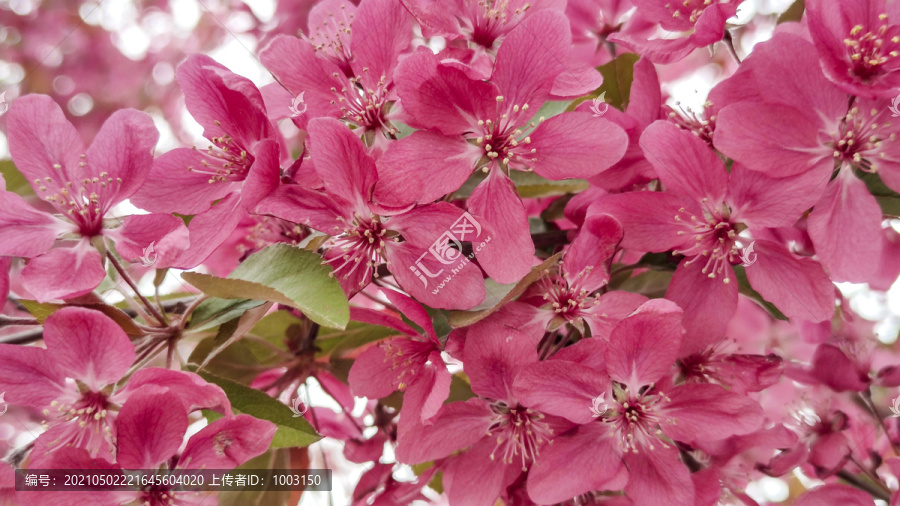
[[87, 418], [361, 243], [486, 20], [700, 124], [519, 432], [635, 419], [714, 238], [224, 161], [688, 9], [407, 357], [565, 293], [871, 50], [84, 202], [503, 138], [858, 139]]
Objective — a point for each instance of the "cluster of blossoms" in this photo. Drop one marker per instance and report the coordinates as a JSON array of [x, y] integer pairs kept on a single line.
[[509, 289]]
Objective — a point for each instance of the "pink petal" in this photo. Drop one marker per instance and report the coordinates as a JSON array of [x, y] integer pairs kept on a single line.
[[495, 353], [149, 430], [424, 225], [64, 272], [510, 254], [88, 346], [561, 388], [121, 155], [685, 164], [29, 377], [457, 425], [210, 229], [590, 352], [222, 102], [373, 374], [227, 443], [295, 64], [412, 310], [830, 494], [647, 217], [192, 390], [41, 137], [836, 370], [342, 161], [797, 286], [158, 238], [264, 175], [643, 347], [297, 204], [659, 477], [457, 285], [761, 200], [25, 231], [441, 97], [528, 60], [708, 303], [575, 145], [845, 228], [708, 412], [776, 139], [591, 249], [172, 187], [475, 466], [424, 167], [578, 462], [375, 317], [383, 32], [610, 308]]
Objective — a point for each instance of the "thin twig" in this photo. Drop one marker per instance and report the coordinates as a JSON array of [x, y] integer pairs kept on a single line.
[[124, 275]]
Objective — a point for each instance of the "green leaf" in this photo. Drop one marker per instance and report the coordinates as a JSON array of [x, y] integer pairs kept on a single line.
[[651, 283], [15, 180], [888, 199], [531, 185], [337, 343], [235, 329], [241, 361], [292, 431], [273, 459], [748, 291], [793, 13], [284, 274], [213, 312], [617, 77]]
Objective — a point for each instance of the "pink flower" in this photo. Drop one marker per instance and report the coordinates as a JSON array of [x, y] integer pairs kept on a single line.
[[702, 20], [237, 170], [82, 186], [410, 364], [501, 436], [366, 234], [700, 217], [73, 382], [808, 128], [345, 67], [858, 42], [629, 413], [452, 109], [150, 430], [571, 295]]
